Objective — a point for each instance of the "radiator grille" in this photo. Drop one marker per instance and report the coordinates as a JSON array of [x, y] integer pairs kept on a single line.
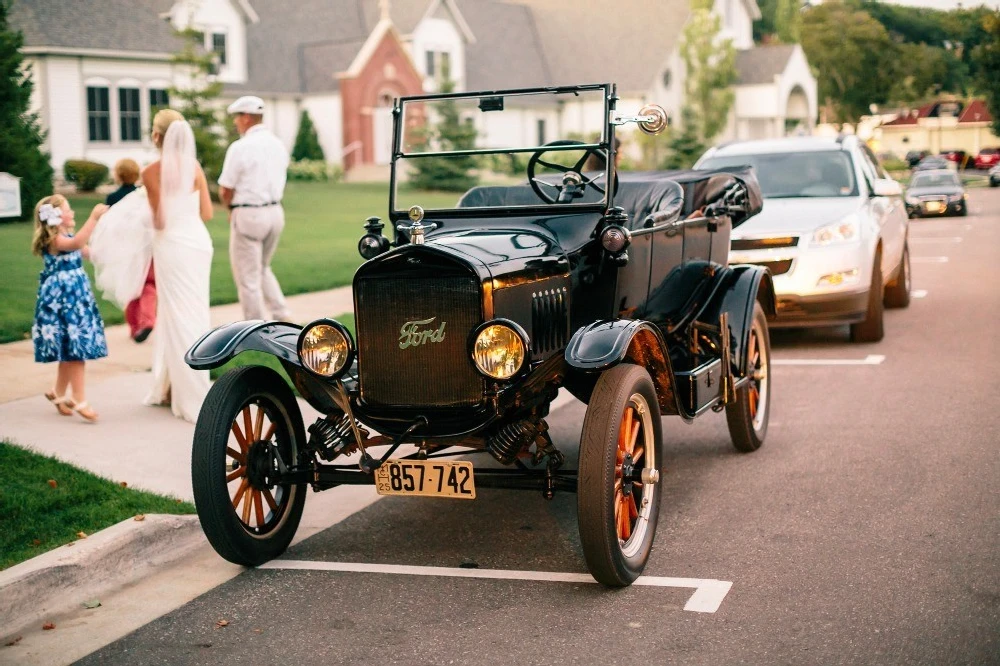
[[779, 267], [549, 320], [763, 243], [433, 368]]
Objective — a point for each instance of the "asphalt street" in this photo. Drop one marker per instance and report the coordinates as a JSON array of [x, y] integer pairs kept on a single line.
[[865, 530]]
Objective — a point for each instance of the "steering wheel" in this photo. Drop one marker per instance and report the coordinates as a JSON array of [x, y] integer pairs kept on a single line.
[[574, 183]]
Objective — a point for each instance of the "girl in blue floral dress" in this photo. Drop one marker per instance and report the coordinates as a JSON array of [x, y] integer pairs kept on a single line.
[[68, 328]]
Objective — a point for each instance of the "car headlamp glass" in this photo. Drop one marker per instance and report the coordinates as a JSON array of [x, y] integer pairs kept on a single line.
[[325, 348], [498, 351], [838, 232]]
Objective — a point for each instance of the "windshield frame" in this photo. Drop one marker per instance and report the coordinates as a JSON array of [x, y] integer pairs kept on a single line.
[[610, 97], [929, 174], [752, 157]]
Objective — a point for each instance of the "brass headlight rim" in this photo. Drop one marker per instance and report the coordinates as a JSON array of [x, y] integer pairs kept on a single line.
[[333, 323], [518, 330]]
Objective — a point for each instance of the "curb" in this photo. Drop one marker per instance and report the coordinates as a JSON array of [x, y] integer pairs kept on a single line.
[[63, 579]]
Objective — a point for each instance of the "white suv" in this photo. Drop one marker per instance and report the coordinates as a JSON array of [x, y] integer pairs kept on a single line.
[[833, 230]]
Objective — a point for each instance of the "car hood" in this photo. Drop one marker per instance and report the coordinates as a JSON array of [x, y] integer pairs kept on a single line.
[[927, 191], [796, 215]]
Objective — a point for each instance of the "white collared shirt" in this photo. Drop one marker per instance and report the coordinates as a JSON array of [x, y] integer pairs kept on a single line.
[[255, 167]]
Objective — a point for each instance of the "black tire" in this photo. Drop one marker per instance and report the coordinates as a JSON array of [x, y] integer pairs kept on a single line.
[[221, 451], [964, 211], [994, 183], [747, 418], [897, 292], [610, 475], [872, 329]]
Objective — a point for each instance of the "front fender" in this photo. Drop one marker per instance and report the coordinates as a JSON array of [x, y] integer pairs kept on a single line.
[[216, 347], [604, 344]]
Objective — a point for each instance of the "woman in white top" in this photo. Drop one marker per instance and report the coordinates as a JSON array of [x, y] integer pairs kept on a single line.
[[178, 197]]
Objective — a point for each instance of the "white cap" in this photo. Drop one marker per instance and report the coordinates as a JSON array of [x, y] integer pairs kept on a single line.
[[247, 104]]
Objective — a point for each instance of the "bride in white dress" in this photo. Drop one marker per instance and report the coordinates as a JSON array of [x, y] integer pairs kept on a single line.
[[177, 192]]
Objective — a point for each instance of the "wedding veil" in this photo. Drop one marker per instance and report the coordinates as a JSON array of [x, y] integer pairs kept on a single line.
[[177, 161]]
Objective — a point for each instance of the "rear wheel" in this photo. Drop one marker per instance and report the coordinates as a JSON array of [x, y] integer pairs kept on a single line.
[[897, 292], [249, 425], [872, 328], [620, 457], [747, 417]]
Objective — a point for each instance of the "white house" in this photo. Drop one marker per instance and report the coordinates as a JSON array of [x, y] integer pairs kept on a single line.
[[101, 65]]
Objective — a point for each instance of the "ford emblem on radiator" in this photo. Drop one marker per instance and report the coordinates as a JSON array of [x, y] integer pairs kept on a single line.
[[412, 335]]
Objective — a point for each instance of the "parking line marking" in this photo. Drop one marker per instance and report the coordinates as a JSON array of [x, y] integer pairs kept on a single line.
[[929, 260], [707, 597], [871, 359], [919, 293], [935, 239]]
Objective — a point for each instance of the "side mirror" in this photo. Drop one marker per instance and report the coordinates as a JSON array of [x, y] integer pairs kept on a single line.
[[655, 120], [886, 187]]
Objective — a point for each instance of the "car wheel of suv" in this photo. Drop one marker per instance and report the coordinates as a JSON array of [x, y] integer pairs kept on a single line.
[[620, 456], [747, 417], [248, 421], [872, 328], [897, 292]]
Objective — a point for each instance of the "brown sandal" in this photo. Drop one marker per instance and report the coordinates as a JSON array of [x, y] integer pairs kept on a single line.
[[64, 404], [86, 411]]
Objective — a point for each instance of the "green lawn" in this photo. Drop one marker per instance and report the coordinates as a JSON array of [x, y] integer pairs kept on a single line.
[[318, 249], [38, 517]]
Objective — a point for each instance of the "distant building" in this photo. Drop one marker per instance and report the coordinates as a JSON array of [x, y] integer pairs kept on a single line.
[[937, 127], [101, 66]]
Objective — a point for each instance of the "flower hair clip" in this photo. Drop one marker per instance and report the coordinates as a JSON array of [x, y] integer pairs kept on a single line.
[[50, 215]]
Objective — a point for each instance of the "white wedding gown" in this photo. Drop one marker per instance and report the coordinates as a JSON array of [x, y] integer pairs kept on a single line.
[[182, 254]]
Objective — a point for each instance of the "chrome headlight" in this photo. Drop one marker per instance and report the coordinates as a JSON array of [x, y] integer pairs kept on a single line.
[[325, 348], [838, 232], [499, 349]]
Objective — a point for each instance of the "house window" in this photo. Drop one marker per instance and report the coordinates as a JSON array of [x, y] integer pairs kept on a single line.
[[128, 114], [541, 132], [438, 64], [98, 114], [446, 65], [429, 63], [219, 46], [158, 99]]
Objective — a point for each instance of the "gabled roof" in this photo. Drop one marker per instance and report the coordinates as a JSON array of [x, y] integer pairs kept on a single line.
[[120, 26], [591, 41], [406, 15], [507, 58], [976, 112], [762, 63], [973, 112]]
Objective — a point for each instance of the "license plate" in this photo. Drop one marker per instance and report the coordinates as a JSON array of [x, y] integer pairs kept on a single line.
[[934, 206], [427, 478]]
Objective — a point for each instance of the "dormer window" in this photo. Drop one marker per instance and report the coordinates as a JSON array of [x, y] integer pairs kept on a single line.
[[437, 63]]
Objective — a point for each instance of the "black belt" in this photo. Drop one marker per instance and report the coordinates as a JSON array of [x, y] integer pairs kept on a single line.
[[263, 205]]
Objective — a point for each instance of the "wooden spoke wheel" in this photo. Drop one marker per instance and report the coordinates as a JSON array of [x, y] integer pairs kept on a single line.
[[617, 497], [248, 428], [747, 418]]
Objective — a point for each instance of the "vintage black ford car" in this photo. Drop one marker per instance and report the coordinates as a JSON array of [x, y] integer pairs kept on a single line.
[[557, 272]]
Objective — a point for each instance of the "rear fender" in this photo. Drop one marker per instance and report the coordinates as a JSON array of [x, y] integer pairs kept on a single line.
[[746, 285], [605, 344]]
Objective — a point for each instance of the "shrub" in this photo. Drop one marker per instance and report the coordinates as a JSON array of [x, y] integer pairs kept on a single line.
[[315, 170], [307, 141], [86, 174]]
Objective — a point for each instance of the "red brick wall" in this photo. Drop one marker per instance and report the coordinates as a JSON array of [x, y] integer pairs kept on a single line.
[[389, 70]]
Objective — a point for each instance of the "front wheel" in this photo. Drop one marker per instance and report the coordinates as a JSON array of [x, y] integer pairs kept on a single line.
[[248, 427], [747, 417], [620, 459]]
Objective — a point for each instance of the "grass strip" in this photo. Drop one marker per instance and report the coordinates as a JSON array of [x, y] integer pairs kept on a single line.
[[45, 503]]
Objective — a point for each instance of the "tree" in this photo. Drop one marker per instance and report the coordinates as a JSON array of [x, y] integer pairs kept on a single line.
[[987, 59], [445, 130], [919, 73], [307, 141], [710, 64], [197, 98], [851, 54], [685, 147], [22, 136], [788, 20]]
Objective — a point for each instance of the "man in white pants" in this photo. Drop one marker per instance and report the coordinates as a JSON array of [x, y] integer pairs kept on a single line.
[[251, 186]]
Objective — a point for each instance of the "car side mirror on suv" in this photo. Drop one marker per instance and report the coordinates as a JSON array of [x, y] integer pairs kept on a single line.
[[886, 187]]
